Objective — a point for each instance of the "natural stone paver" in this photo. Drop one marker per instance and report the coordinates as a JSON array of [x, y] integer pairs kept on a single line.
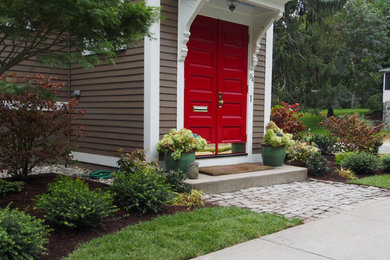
[[309, 200]]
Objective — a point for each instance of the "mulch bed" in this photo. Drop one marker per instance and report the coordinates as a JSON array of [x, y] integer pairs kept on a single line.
[[63, 241], [330, 175]]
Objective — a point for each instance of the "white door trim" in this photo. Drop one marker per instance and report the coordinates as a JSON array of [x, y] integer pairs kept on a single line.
[[152, 88]]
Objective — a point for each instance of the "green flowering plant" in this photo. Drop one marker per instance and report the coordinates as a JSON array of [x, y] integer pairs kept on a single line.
[[275, 137], [301, 151], [183, 141]]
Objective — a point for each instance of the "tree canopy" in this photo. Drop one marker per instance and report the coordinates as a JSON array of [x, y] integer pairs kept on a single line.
[[58, 32], [328, 53]]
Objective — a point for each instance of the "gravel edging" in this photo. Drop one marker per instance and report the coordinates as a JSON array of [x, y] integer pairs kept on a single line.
[[72, 170]]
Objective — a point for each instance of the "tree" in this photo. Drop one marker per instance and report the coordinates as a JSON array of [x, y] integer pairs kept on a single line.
[[304, 68], [363, 39], [59, 31], [34, 128], [323, 49]]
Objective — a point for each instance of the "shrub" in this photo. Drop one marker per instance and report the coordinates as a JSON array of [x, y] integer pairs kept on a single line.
[[142, 191], [339, 157], [21, 235], [287, 118], [301, 151], [361, 163], [175, 179], [135, 161], [375, 103], [326, 144], [386, 162], [7, 186], [346, 174], [354, 133], [71, 203], [317, 164], [32, 124], [190, 200]]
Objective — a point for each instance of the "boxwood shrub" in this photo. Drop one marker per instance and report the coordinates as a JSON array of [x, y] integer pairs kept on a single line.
[[71, 203], [317, 164], [142, 191], [21, 235], [10, 186], [386, 162], [361, 163]]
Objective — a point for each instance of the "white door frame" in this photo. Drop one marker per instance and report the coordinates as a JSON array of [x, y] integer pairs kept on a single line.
[[258, 26]]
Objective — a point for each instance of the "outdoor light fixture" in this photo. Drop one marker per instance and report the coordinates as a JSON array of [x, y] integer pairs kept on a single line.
[[232, 4]]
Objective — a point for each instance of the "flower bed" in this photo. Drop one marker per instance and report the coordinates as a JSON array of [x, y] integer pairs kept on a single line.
[[63, 241]]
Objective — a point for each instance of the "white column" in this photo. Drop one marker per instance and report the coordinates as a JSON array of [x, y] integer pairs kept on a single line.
[[180, 95], [268, 75], [152, 88]]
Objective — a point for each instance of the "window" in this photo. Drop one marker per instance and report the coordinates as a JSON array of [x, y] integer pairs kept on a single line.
[[387, 81]]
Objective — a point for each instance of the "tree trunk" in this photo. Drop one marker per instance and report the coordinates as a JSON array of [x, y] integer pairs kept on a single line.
[[330, 112], [353, 99]]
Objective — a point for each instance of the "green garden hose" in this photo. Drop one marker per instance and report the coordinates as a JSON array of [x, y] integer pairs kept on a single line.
[[99, 174]]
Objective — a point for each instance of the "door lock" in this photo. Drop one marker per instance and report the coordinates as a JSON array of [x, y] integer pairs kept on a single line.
[[220, 101]]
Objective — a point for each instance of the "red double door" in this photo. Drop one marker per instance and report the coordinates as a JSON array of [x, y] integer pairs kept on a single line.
[[216, 80]]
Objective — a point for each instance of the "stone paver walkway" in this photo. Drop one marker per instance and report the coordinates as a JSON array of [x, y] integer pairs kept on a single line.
[[309, 200]]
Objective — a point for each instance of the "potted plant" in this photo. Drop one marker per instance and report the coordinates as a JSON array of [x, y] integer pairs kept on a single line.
[[180, 147], [273, 150]]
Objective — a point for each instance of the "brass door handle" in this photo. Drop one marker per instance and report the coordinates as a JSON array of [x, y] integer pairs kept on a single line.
[[220, 101]]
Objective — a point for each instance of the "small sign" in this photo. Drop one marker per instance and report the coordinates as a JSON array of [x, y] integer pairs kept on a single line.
[[200, 109]]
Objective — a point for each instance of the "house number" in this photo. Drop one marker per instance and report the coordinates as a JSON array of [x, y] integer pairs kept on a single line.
[[251, 76]]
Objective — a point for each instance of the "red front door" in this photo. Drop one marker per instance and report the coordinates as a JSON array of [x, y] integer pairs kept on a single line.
[[216, 80]]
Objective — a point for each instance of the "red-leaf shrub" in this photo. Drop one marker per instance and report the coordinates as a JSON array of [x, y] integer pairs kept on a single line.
[[354, 133], [287, 117], [34, 128]]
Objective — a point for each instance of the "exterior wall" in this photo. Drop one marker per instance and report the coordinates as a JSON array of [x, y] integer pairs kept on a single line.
[[258, 100], [31, 67], [113, 98], [168, 66], [386, 95]]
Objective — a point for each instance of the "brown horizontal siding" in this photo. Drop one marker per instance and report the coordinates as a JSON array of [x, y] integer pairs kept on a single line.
[[113, 98], [31, 67], [168, 66], [258, 101]]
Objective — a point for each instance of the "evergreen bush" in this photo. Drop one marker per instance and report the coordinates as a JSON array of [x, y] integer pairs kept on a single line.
[[21, 235], [317, 164], [142, 191], [361, 163], [71, 203], [8, 186]]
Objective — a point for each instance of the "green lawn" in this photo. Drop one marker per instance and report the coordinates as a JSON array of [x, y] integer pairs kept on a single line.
[[312, 121], [184, 235], [381, 181]]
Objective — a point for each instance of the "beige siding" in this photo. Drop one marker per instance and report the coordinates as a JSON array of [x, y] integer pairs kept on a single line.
[[113, 98], [258, 99], [168, 67]]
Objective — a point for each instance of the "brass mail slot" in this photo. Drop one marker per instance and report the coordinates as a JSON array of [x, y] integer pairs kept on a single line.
[[200, 108]]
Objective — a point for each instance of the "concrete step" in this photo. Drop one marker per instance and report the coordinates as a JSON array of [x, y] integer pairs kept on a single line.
[[232, 182]]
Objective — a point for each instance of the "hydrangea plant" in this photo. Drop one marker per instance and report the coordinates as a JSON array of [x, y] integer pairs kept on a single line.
[[275, 137], [301, 151], [183, 141]]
